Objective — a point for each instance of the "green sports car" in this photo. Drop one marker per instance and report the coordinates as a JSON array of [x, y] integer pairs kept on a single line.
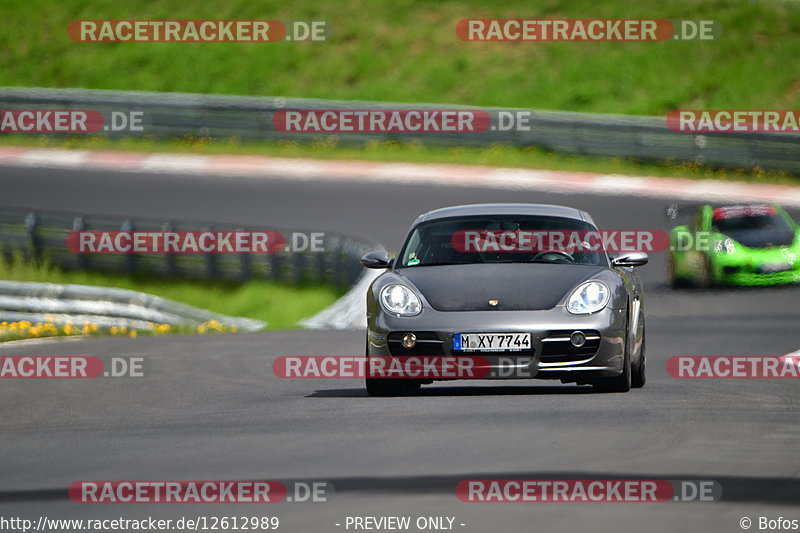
[[735, 245]]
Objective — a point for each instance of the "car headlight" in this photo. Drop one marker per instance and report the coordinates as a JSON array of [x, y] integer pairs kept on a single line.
[[589, 297], [400, 300], [726, 246]]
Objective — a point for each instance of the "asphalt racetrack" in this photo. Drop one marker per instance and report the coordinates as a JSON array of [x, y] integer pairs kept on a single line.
[[210, 408]]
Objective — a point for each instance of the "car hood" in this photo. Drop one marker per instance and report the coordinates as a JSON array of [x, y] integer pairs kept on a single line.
[[516, 286]]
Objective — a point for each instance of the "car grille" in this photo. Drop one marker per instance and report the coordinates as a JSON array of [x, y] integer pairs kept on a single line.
[[556, 347], [428, 344]]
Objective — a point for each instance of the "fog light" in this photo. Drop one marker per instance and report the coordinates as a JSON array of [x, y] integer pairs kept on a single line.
[[409, 340], [577, 339]]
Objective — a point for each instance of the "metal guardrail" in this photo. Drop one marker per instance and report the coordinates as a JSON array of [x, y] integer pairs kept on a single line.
[[105, 307], [169, 115], [43, 235]]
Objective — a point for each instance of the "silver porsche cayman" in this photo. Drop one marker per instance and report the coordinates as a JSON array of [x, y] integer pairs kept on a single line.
[[464, 289]]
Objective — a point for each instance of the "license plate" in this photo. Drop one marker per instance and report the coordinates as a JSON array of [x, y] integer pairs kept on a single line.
[[492, 342], [771, 268]]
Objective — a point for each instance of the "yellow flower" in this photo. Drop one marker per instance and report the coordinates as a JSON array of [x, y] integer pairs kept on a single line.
[[133, 333]]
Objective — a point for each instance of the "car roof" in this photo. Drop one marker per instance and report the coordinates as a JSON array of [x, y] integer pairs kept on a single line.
[[505, 209]]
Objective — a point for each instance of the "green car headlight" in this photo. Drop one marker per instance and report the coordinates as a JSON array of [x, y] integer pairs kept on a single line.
[[726, 246]]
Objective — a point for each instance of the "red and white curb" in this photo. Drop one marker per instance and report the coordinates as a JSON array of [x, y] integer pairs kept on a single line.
[[429, 174]]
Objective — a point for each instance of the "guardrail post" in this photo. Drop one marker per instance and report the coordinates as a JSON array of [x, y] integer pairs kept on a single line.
[[638, 142], [211, 261], [578, 135], [169, 259], [32, 226], [752, 156], [353, 266], [130, 259], [245, 264], [296, 274], [81, 259], [273, 259], [341, 263], [319, 263]]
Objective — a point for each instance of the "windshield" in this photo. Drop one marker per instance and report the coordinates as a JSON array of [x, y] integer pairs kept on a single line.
[[752, 222], [754, 226], [493, 239]]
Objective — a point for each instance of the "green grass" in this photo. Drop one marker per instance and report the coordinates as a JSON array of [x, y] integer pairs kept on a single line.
[[495, 155], [407, 51], [281, 306]]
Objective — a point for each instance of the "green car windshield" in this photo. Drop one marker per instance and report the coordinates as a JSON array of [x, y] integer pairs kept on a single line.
[[436, 242], [773, 222], [754, 226]]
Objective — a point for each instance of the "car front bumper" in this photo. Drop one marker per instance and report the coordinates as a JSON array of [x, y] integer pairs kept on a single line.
[[550, 357], [748, 277], [754, 269]]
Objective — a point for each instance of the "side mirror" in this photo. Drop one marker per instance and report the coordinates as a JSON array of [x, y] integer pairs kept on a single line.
[[630, 259], [378, 259]]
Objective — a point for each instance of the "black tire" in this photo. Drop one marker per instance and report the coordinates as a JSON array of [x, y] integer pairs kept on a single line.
[[412, 386], [639, 378], [385, 387], [621, 383], [705, 280], [382, 386], [673, 281]]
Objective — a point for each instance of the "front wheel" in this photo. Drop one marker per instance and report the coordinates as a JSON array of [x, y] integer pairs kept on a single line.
[[392, 387], [385, 387], [706, 278], [639, 379], [673, 280], [621, 383]]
